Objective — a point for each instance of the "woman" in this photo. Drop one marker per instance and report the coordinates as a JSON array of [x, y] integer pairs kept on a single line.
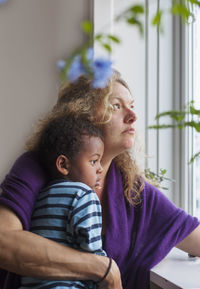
[[140, 225]]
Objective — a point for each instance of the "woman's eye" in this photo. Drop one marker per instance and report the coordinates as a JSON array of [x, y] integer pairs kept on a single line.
[[116, 106]]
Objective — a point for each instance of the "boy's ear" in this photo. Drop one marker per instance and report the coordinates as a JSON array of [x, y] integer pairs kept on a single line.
[[63, 164]]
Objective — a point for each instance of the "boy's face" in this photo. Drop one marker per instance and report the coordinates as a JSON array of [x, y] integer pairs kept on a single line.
[[86, 167]]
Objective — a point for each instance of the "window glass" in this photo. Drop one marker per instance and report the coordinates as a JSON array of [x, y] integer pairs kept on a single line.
[[195, 64]]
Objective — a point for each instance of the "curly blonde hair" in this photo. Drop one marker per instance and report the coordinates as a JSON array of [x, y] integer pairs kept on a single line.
[[81, 99]]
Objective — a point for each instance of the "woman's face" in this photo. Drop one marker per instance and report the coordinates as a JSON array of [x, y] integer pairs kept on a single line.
[[119, 131]]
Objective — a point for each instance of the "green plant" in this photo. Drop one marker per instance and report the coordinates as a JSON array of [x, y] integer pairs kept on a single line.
[[132, 16], [188, 117], [157, 179]]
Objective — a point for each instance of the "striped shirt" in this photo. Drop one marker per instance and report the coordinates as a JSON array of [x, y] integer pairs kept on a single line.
[[69, 213]]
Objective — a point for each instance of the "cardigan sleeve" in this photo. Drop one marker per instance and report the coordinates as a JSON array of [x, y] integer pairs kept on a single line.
[[21, 186], [163, 224]]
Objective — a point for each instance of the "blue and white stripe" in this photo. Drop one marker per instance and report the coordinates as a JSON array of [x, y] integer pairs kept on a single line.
[[69, 213]]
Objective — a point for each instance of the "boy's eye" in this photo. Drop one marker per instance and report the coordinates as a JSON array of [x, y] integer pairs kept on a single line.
[[93, 162]]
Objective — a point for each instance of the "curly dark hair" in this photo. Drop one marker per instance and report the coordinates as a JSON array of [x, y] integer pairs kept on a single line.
[[64, 135]]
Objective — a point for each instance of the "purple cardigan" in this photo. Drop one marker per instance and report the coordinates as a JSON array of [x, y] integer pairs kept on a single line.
[[137, 238]]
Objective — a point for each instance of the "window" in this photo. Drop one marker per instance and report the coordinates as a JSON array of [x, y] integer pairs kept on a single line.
[[146, 62], [194, 94]]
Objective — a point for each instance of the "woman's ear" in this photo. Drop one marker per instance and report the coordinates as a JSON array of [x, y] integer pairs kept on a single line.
[[63, 164]]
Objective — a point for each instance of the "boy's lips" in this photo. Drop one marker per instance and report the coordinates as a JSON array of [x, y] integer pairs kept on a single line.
[[97, 185]]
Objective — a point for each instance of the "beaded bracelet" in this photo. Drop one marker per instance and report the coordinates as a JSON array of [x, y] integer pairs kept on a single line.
[[107, 271]]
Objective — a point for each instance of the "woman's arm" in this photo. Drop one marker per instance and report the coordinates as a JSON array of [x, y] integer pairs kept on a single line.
[[28, 254], [191, 244]]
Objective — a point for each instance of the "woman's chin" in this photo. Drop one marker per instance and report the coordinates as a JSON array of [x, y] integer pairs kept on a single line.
[[128, 144]]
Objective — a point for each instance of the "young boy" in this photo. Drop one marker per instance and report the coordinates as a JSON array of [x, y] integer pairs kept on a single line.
[[67, 210]]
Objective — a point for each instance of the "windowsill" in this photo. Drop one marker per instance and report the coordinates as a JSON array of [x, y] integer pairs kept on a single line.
[[177, 270]]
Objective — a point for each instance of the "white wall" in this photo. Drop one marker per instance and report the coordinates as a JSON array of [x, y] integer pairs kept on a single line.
[[33, 36]]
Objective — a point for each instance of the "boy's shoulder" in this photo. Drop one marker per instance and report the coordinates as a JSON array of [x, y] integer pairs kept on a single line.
[[69, 183]]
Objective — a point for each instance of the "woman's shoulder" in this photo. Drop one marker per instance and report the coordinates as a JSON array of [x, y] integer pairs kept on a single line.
[[151, 189], [26, 171], [26, 157], [28, 165], [154, 194], [158, 203]]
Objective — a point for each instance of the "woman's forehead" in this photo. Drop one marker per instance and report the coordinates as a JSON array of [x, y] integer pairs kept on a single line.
[[120, 92]]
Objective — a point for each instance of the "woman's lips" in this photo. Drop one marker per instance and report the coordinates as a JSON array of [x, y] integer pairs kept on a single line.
[[129, 131]]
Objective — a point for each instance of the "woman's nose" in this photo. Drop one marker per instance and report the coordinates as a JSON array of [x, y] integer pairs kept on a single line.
[[130, 116]]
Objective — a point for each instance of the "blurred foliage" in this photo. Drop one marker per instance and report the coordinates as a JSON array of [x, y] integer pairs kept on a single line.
[[157, 179], [188, 117], [134, 16]]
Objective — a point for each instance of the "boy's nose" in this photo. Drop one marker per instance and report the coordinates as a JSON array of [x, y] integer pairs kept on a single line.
[[100, 169]]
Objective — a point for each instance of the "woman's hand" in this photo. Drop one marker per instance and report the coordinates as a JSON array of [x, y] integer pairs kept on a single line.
[[28, 254], [113, 279]]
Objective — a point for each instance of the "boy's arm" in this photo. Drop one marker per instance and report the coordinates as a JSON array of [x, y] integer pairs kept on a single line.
[[28, 254], [85, 223]]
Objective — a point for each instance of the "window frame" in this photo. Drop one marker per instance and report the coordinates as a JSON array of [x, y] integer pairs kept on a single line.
[[190, 85]]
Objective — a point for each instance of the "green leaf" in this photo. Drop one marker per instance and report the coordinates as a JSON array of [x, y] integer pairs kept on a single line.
[[164, 188], [176, 115], [98, 37], [140, 27], [114, 38], [132, 21], [137, 9], [181, 10], [149, 174], [161, 126], [180, 126], [87, 26], [156, 21], [193, 124], [157, 178], [107, 47], [195, 2], [163, 171], [194, 157], [194, 111], [135, 21]]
